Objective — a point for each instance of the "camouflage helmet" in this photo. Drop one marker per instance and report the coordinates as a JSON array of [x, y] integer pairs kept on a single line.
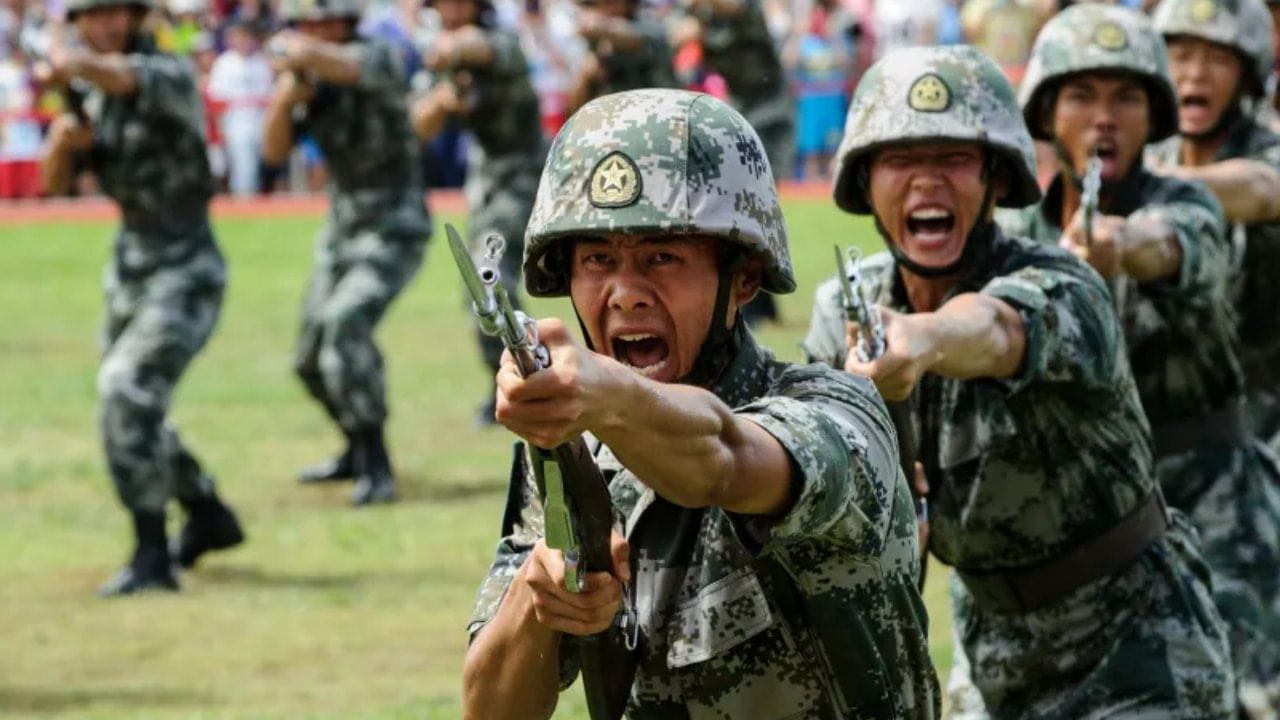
[[75, 7], [1242, 25], [1099, 38], [927, 94], [656, 162], [302, 10]]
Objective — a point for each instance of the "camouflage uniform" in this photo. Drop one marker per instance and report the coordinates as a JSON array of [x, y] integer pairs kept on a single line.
[[505, 159], [1245, 26], [814, 614], [1024, 471], [648, 67], [1182, 343], [165, 282], [373, 242], [742, 51]]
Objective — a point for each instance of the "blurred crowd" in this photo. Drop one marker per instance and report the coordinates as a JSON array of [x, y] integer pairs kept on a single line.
[[824, 46]]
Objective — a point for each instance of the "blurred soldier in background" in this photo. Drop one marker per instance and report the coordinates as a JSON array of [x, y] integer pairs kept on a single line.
[[482, 82], [1220, 57], [141, 131], [736, 44], [627, 52], [348, 94], [1098, 86]]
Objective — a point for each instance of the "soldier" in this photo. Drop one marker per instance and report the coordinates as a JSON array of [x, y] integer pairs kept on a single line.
[[628, 52], [348, 94], [482, 81], [1221, 57], [1079, 595], [141, 132], [1099, 86], [759, 497], [736, 44]]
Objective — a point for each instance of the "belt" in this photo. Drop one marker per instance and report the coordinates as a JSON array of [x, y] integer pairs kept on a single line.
[[1225, 427], [1027, 589]]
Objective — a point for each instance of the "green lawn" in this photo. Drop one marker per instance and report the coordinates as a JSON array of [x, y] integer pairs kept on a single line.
[[327, 612]]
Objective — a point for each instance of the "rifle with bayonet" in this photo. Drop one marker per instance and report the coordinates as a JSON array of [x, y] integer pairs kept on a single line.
[[871, 345], [578, 510], [1090, 186]]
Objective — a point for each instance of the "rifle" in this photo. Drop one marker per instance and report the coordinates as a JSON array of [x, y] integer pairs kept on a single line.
[[871, 345], [578, 509], [38, 47]]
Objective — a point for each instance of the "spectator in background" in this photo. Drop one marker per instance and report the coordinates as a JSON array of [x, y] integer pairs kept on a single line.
[[1005, 30], [240, 84], [189, 20], [19, 126], [904, 23], [550, 41], [821, 57]]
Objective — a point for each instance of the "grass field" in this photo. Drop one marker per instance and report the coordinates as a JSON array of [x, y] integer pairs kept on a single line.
[[327, 612]]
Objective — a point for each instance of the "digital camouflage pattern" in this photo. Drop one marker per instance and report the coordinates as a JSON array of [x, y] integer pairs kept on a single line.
[[75, 7], [293, 11], [1182, 345], [656, 162], [1098, 38], [504, 161], [917, 95], [372, 245], [1022, 470], [814, 615], [740, 49], [1254, 266], [1242, 25], [163, 287]]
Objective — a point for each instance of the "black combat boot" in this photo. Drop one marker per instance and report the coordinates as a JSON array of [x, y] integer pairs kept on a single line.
[[149, 568], [211, 525], [374, 480], [335, 469]]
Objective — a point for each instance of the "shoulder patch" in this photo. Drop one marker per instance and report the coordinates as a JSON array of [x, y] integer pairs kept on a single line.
[[615, 182], [929, 93]]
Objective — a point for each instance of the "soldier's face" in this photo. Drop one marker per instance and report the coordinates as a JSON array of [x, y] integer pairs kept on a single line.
[[455, 14], [1207, 77], [929, 197], [107, 29], [648, 302], [1104, 114]]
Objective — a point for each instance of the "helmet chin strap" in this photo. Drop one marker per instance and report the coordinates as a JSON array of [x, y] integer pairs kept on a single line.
[[1225, 121], [976, 244], [723, 341]]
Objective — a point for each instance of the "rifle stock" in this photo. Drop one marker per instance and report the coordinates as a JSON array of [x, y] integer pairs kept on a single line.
[[579, 510]]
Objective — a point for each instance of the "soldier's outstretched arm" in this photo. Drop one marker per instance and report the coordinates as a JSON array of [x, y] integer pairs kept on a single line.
[[112, 72], [277, 131], [680, 440], [57, 161], [970, 336], [1249, 190], [429, 113]]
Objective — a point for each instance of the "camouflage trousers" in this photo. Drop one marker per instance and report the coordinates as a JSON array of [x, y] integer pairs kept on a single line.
[[1147, 643], [156, 322], [501, 201], [354, 279], [1232, 496]]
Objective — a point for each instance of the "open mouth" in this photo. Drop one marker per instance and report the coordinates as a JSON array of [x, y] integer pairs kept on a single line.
[[646, 354], [1194, 101], [1106, 151], [931, 223]]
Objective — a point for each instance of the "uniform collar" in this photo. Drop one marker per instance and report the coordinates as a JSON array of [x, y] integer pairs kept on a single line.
[[978, 276]]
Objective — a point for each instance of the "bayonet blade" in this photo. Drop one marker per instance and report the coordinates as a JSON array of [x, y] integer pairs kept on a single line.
[[467, 267]]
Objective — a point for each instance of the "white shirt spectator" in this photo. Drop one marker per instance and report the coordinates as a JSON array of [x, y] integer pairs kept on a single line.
[[905, 23], [241, 78]]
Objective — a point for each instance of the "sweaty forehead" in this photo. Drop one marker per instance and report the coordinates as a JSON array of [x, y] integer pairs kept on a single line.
[[1103, 82], [931, 149], [635, 241]]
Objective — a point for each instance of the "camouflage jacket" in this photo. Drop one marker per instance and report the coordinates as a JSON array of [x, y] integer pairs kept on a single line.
[[503, 117], [1021, 469], [813, 615], [149, 156], [742, 51], [1180, 333], [1255, 255], [648, 67], [369, 149]]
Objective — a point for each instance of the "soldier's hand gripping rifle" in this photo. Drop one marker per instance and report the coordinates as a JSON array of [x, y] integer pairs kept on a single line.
[[40, 48], [579, 511], [871, 345]]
